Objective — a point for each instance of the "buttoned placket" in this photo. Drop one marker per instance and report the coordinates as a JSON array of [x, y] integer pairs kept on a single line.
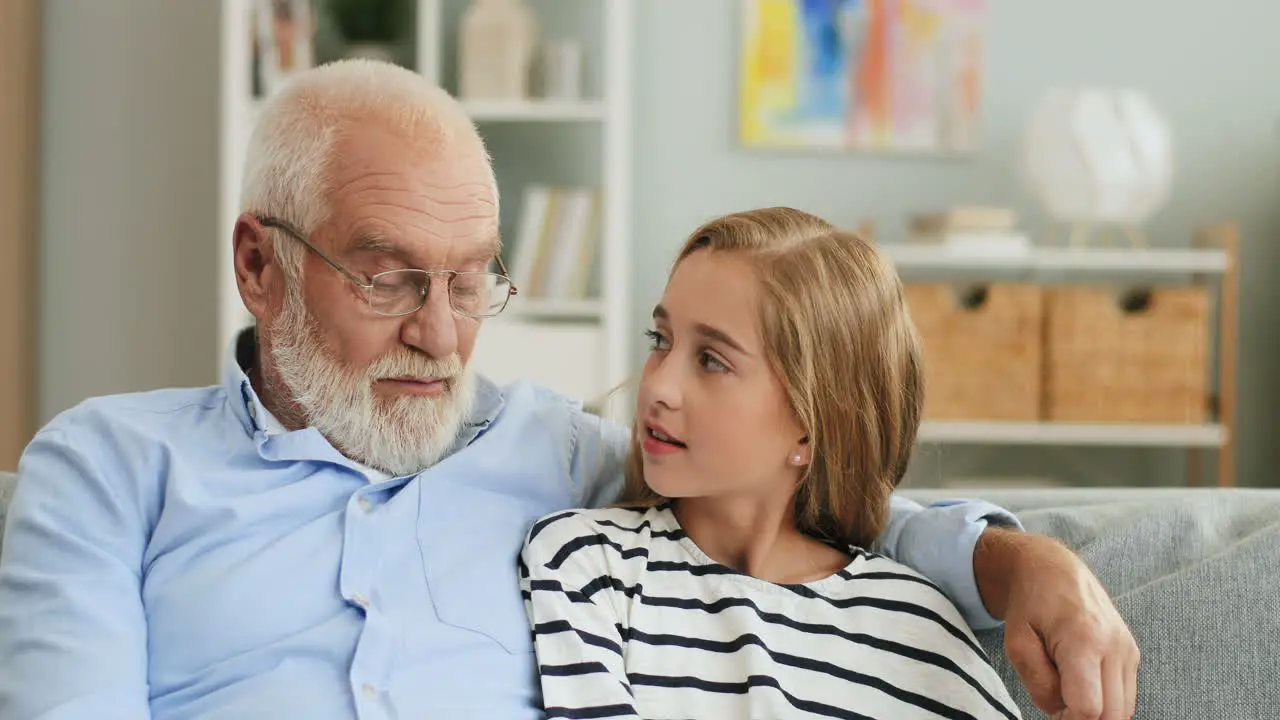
[[370, 667], [378, 642]]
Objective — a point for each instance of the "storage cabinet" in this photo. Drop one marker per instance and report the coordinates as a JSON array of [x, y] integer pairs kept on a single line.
[[1138, 347]]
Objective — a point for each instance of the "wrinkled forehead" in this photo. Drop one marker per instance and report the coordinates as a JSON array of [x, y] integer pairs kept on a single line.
[[425, 201]]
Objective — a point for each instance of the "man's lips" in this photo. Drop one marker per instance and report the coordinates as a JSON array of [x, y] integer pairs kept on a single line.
[[416, 386]]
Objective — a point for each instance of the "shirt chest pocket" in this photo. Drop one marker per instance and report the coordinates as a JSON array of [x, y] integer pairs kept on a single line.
[[470, 540]]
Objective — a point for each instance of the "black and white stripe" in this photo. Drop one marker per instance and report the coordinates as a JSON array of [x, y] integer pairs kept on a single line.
[[632, 620]]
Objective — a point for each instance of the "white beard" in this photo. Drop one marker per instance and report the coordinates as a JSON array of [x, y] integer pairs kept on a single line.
[[403, 436]]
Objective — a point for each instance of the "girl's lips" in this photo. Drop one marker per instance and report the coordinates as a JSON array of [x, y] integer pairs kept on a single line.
[[653, 446], [654, 443], [662, 433]]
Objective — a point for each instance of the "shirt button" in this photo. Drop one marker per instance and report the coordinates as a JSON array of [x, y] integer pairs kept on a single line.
[[369, 691], [361, 600], [365, 505]]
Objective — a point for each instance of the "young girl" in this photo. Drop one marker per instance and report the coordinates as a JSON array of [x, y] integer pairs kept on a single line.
[[776, 413]]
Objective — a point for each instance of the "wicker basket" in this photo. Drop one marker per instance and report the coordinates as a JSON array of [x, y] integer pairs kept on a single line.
[[982, 350], [1127, 356]]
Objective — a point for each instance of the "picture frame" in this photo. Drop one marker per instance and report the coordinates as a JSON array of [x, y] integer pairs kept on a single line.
[[862, 75]]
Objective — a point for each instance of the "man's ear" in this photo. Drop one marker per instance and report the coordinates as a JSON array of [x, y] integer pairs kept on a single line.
[[258, 275]]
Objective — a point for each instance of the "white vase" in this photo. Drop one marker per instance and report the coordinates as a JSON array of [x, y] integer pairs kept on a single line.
[[496, 44]]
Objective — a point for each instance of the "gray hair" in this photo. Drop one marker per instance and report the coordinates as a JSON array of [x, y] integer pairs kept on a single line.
[[289, 152]]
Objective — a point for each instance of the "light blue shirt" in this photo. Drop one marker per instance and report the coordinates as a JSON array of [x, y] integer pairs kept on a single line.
[[166, 556]]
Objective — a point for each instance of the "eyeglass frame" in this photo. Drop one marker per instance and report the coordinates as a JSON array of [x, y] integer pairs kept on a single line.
[[267, 221]]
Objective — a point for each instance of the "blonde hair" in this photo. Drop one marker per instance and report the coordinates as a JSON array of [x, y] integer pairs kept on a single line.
[[838, 335], [292, 144]]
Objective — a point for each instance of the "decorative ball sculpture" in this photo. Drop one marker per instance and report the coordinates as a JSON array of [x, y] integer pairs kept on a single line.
[[1099, 158]]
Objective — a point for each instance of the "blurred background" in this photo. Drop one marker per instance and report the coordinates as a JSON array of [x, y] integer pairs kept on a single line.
[[1082, 197]]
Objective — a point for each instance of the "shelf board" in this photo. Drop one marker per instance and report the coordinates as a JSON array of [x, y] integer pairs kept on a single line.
[[1064, 433], [545, 309], [534, 110], [924, 257]]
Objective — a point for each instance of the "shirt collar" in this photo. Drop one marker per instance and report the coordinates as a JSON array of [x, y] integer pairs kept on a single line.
[[248, 408]]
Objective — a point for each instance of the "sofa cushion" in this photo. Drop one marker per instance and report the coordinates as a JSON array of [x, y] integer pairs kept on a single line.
[[1194, 572]]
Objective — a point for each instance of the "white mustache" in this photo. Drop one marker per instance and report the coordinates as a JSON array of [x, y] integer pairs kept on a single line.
[[403, 364]]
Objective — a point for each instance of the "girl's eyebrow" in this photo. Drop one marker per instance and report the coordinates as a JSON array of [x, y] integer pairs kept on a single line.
[[702, 329]]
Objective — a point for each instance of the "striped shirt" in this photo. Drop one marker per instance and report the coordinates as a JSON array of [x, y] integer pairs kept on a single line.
[[632, 620]]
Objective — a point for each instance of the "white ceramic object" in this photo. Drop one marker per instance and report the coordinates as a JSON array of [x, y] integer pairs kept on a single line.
[[1098, 156], [496, 44], [561, 70]]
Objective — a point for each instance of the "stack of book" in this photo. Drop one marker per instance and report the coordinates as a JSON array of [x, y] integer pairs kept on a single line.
[[557, 243], [986, 230]]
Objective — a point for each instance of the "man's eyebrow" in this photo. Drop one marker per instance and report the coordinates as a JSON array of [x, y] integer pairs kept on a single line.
[[374, 242], [706, 331], [486, 253]]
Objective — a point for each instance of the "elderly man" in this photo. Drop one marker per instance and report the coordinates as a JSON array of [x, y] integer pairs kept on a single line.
[[331, 532]]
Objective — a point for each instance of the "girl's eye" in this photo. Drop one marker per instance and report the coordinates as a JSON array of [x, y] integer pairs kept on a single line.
[[656, 340], [711, 363]]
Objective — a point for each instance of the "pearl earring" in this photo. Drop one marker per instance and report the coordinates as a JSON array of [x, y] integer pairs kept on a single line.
[[796, 459]]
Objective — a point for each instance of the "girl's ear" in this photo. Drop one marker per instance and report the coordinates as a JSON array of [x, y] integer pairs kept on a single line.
[[801, 454]]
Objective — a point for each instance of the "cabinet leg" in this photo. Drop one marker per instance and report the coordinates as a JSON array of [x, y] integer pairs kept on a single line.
[[1195, 467]]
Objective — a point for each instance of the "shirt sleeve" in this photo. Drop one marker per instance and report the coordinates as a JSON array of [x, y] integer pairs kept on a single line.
[[570, 598], [599, 458], [73, 634], [938, 541]]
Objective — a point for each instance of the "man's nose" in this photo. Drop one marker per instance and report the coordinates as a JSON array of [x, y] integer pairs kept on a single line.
[[433, 328]]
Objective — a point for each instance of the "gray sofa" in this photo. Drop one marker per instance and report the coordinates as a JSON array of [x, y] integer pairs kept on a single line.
[[1196, 573]]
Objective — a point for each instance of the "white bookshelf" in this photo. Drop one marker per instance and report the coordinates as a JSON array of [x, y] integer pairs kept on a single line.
[[237, 112], [577, 346], [539, 309]]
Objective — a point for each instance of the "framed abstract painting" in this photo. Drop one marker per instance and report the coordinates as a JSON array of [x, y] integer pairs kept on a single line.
[[862, 75]]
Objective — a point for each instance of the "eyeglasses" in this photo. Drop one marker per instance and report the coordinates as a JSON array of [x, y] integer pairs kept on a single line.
[[402, 292]]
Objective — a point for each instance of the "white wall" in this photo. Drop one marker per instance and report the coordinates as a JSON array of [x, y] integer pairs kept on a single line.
[[1212, 71], [129, 164], [129, 197]]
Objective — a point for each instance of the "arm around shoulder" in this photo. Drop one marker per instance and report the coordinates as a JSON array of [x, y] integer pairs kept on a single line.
[[599, 459], [938, 541], [73, 632], [570, 599]]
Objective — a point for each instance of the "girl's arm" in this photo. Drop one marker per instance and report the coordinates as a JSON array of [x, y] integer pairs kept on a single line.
[[577, 617]]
